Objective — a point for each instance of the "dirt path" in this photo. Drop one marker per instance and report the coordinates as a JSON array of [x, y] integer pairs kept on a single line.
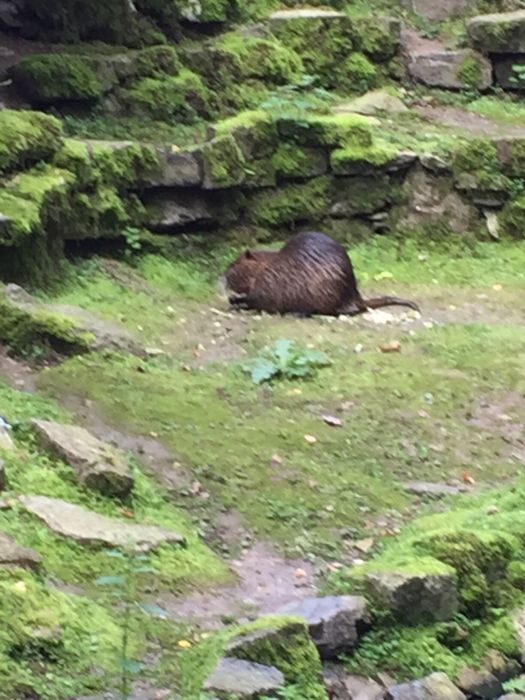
[[475, 124]]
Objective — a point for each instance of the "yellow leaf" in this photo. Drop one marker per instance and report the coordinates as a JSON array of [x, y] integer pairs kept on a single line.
[[184, 644]]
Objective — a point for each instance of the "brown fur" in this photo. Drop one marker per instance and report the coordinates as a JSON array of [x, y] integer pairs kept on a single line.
[[311, 274]]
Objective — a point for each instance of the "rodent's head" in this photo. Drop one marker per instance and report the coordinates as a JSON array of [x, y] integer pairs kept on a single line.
[[241, 274]]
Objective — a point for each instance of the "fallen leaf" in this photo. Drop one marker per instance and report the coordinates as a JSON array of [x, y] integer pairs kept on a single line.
[[384, 276], [20, 587], [359, 348], [365, 545], [493, 510], [347, 405], [300, 573], [497, 287], [332, 420], [196, 487], [184, 644], [127, 513], [392, 346], [310, 439], [468, 479], [329, 509], [312, 483], [276, 460]]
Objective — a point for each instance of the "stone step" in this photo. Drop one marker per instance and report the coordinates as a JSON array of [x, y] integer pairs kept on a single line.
[[14, 554], [88, 527]]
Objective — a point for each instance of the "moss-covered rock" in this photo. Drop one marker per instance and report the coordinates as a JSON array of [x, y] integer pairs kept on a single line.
[[224, 163], [50, 78], [290, 203], [292, 161], [352, 160], [26, 138], [327, 130], [156, 61], [498, 33], [361, 73], [512, 218], [278, 641]]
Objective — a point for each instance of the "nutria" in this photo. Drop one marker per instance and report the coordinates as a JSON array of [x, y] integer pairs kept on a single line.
[[311, 274]]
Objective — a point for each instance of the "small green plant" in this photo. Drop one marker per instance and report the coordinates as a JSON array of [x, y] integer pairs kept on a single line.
[[132, 237], [292, 101], [286, 360], [518, 74], [515, 685], [125, 587]]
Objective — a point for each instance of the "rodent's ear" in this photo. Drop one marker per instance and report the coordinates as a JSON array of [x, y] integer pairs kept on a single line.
[[249, 255]]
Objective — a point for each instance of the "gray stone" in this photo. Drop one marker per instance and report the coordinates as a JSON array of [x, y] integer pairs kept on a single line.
[[371, 103], [99, 466], [88, 527], [512, 696], [451, 69], [334, 622], [437, 10], [10, 15], [14, 554], [425, 488], [244, 680], [504, 669], [80, 329], [519, 625], [437, 686], [501, 33], [6, 442], [492, 221], [415, 597], [174, 210], [334, 682], [177, 168], [468, 183], [434, 163], [361, 688], [479, 682]]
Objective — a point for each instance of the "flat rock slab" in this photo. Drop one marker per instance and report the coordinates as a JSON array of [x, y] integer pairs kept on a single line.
[[177, 169], [98, 465], [14, 554], [70, 325], [437, 686], [371, 103], [427, 488], [502, 33], [88, 527], [244, 680], [453, 70], [362, 688], [334, 622]]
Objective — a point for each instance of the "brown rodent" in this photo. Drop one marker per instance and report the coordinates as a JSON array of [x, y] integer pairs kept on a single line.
[[311, 274]]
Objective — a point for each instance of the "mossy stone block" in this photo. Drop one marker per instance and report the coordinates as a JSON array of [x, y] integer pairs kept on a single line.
[[503, 32], [293, 161], [26, 138], [58, 77], [223, 162], [327, 130], [290, 203]]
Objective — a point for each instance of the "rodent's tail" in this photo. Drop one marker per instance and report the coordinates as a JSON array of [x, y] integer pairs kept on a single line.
[[379, 302]]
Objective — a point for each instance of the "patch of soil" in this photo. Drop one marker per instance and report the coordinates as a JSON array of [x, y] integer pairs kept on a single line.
[[474, 124], [266, 581], [17, 374], [500, 415], [413, 43]]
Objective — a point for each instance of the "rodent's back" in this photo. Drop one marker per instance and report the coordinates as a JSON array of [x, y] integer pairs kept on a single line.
[[312, 273]]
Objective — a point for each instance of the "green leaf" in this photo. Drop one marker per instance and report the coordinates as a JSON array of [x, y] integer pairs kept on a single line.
[[263, 370], [116, 553], [153, 610], [283, 350], [110, 581], [132, 666]]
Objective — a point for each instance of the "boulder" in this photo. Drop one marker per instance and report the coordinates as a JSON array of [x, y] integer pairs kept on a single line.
[[176, 169], [437, 686], [437, 10], [171, 210], [10, 14], [501, 33], [99, 466], [454, 70], [504, 669], [14, 554], [334, 622], [425, 488], [88, 527], [480, 683], [362, 688], [373, 102], [305, 13], [415, 597], [244, 680]]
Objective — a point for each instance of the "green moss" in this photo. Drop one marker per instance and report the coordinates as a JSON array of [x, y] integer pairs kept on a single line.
[[207, 10], [183, 97], [353, 160], [329, 130], [361, 73], [286, 646], [254, 131], [49, 78], [378, 39], [512, 156], [513, 218], [478, 159], [156, 61], [224, 163], [470, 72], [45, 635], [292, 161], [26, 138], [290, 203], [26, 200]]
